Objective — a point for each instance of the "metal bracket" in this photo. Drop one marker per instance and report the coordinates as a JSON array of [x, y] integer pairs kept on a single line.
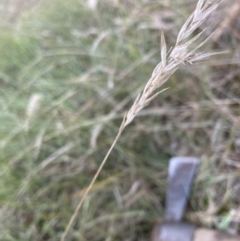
[[181, 174], [175, 231]]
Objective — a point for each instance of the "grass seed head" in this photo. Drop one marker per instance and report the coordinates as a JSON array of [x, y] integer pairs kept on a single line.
[[180, 54]]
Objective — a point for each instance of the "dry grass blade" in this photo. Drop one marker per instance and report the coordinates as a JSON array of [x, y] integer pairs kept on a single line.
[[179, 55]]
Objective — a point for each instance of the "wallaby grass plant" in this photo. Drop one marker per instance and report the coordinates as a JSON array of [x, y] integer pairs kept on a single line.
[[70, 69], [180, 54]]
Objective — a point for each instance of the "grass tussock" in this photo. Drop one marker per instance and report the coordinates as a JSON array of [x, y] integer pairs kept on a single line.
[[68, 72]]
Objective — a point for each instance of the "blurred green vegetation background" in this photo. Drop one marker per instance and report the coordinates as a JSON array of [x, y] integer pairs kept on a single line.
[[68, 72]]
